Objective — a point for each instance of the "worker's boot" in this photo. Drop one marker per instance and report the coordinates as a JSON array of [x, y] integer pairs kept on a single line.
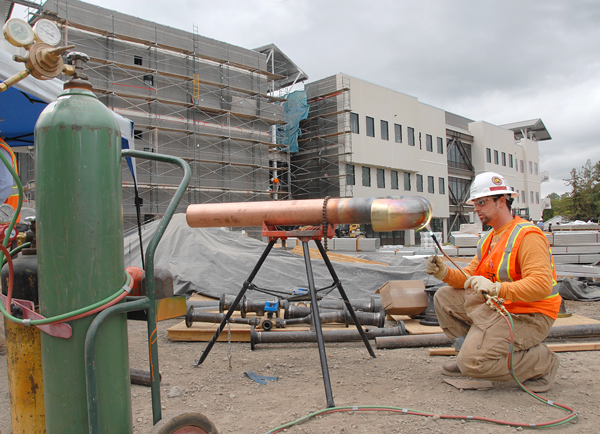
[[451, 369], [545, 382]]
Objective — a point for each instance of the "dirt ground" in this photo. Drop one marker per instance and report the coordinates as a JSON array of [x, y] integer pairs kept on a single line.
[[405, 378]]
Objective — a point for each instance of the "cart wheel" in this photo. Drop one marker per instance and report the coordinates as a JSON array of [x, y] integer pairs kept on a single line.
[[185, 423]]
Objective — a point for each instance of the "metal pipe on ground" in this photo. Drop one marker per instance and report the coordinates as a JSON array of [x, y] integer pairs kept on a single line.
[[193, 316], [302, 315], [257, 337], [293, 310], [440, 339]]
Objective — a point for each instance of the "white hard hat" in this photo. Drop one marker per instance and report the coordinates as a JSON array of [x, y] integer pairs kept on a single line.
[[489, 184]]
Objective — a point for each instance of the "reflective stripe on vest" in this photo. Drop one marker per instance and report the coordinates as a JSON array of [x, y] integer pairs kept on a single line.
[[13, 199], [505, 273], [480, 244]]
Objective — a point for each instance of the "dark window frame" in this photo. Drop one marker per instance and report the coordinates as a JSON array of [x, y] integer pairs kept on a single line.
[[370, 126], [350, 174], [380, 178], [504, 159], [354, 123], [366, 180], [394, 179], [429, 142], [440, 145], [419, 183], [407, 181], [488, 155], [398, 133], [138, 60], [496, 157], [442, 185], [411, 136], [385, 132], [430, 184]]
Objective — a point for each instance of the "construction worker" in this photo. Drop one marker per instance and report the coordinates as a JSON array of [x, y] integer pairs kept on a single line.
[[7, 196], [514, 263], [8, 188]]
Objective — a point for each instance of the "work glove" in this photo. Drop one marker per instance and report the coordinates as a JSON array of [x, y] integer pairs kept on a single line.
[[481, 285], [436, 267]]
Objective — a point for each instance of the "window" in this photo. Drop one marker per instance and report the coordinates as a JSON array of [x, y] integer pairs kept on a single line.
[[411, 136], [504, 158], [442, 186], [440, 143], [350, 174], [516, 198], [429, 142], [137, 60], [406, 181], [354, 123], [385, 135], [419, 183], [459, 158], [380, 178], [510, 160], [522, 166], [496, 159], [531, 197], [366, 176], [531, 169], [523, 193], [488, 155], [398, 133], [370, 127], [149, 80], [430, 184], [394, 176], [535, 168], [137, 134], [537, 197]]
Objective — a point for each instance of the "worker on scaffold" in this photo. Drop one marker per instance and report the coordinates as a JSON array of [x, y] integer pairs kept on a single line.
[[514, 263]]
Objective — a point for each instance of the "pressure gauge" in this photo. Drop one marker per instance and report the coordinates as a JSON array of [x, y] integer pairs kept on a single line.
[[6, 213], [46, 31], [18, 32]]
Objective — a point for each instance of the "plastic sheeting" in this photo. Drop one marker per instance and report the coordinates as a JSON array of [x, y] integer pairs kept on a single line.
[[296, 109], [571, 289], [213, 260]]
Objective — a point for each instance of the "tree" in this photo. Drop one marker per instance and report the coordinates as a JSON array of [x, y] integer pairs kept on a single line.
[[583, 203]]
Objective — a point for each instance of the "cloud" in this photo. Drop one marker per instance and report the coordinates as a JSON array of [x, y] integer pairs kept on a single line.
[[500, 60]]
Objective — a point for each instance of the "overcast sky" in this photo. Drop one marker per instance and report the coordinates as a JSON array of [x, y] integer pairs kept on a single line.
[[499, 61]]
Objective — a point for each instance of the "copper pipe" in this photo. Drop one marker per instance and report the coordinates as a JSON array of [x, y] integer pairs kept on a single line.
[[385, 214]]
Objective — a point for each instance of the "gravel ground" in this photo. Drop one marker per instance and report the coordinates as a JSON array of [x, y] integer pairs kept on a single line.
[[405, 378]]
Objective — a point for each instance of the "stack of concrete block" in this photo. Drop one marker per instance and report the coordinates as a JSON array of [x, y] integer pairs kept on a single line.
[[575, 247]]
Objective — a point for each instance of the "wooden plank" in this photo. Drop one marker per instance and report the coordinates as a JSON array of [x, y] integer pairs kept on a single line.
[[413, 326], [557, 348], [203, 332]]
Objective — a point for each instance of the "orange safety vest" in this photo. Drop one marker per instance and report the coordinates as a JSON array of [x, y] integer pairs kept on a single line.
[[500, 264], [13, 199]]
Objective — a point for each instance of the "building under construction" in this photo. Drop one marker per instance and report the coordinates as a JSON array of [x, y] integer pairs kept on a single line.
[[213, 104]]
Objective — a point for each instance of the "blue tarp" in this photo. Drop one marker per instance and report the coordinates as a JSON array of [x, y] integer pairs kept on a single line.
[[21, 105], [295, 110]]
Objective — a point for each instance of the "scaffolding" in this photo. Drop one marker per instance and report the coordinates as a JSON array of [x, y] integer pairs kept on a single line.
[[320, 167], [213, 104]]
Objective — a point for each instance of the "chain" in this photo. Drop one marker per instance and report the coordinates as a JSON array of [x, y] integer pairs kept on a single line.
[[229, 343], [325, 221]]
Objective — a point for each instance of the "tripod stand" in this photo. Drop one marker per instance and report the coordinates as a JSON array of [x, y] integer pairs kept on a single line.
[[315, 234]]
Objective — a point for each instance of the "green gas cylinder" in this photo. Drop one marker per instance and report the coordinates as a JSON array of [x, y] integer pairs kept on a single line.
[[80, 256]]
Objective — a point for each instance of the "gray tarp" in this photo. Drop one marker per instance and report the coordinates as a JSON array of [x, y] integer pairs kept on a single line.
[[572, 289], [218, 261]]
